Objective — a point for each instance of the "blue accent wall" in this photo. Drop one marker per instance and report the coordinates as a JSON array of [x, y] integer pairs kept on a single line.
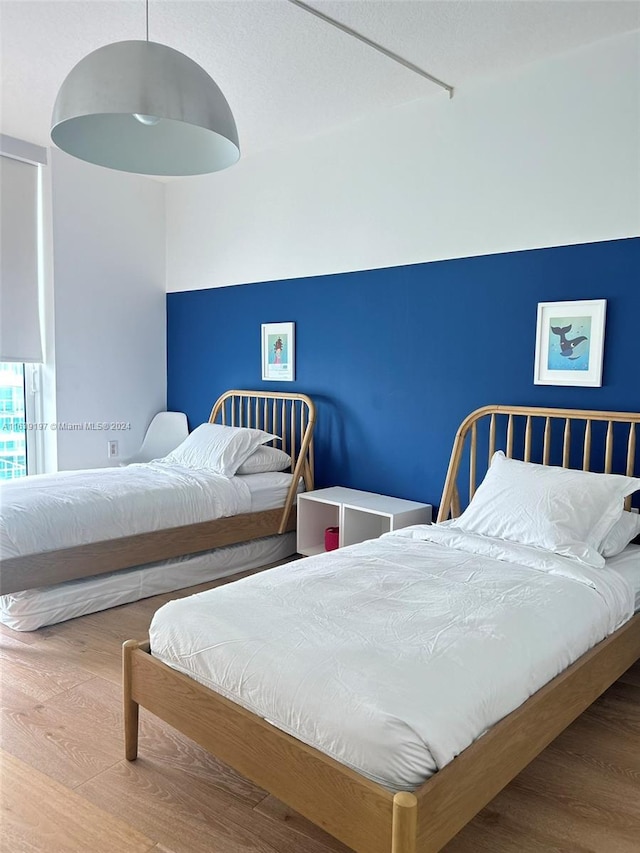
[[395, 358]]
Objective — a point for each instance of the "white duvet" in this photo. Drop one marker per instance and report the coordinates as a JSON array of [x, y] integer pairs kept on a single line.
[[392, 656], [51, 511]]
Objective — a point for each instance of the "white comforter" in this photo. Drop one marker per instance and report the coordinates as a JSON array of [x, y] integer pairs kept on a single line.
[[51, 511], [394, 655]]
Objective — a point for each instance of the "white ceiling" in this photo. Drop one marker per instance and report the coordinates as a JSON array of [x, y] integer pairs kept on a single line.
[[286, 74]]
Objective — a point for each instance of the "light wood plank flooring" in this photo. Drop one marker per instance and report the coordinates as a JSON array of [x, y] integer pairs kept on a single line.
[[65, 786]]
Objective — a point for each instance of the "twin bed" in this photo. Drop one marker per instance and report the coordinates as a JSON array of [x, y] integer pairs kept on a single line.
[[80, 541], [387, 691]]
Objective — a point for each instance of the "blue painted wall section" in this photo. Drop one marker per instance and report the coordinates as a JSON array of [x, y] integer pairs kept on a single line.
[[395, 358]]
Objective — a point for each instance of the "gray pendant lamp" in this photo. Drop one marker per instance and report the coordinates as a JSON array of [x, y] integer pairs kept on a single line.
[[140, 106]]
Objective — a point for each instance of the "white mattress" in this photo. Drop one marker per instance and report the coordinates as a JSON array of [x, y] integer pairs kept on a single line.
[[392, 656], [35, 608], [269, 490]]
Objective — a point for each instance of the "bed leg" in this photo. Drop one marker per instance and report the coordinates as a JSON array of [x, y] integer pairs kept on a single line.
[[405, 817], [130, 707]]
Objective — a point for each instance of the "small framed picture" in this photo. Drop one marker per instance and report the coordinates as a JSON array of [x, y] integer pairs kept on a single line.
[[570, 343], [278, 351]]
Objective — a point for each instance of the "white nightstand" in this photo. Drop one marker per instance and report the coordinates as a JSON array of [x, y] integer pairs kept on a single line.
[[359, 515]]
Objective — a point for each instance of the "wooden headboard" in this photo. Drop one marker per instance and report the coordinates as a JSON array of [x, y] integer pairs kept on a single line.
[[573, 438], [290, 416]]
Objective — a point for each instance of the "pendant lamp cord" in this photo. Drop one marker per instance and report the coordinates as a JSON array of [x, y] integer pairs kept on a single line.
[[147, 17]]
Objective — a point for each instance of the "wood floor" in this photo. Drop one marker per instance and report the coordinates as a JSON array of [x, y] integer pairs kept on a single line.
[[65, 786]]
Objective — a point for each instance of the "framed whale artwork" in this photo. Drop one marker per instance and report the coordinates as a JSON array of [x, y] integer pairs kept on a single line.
[[570, 343]]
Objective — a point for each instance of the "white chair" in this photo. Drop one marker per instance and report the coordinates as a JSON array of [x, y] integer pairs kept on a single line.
[[165, 432]]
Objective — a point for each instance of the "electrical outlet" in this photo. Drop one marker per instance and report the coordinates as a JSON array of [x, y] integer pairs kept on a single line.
[[112, 449]]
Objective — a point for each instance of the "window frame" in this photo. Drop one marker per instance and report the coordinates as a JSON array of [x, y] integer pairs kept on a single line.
[[34, 415]]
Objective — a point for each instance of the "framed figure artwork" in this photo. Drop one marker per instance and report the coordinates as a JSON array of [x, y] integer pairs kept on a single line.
[[278, 352]]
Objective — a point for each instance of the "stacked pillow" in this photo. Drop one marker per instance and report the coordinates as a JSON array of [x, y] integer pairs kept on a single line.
[[265, 460], [576, 514], [621, 534], [221, 449]]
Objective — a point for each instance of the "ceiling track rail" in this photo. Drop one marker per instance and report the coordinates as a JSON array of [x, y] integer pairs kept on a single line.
[[383, 50]]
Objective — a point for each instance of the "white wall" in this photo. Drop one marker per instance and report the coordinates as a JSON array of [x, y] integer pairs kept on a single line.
[[109, 301], [548, 156]]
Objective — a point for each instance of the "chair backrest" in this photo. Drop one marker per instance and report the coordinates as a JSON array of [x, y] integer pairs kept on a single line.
[[165, 432]]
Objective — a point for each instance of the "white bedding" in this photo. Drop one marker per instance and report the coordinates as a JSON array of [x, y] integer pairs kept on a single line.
[[31, 609], [51, 511], [395, 654]]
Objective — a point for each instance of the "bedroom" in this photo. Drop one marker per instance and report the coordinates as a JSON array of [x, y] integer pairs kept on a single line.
[[413, 278]]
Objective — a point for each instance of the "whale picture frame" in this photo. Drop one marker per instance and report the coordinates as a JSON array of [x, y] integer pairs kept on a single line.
[[570, 343]]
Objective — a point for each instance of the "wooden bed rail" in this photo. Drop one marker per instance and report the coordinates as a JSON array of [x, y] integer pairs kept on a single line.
[[359, 812], [521, 422], [350, 807], [290, 416]]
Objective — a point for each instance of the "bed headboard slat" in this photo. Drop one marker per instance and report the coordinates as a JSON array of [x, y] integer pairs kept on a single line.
[[608, 451], [586, 451], [547, 441], [509, 450], [631, 456], [566, 443], [517, 437], [492, 436], [473, 460], [631, 449], [527, 440]]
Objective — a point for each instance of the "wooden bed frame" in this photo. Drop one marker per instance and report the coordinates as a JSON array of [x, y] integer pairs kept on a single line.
[[362, 814], [291, 416]]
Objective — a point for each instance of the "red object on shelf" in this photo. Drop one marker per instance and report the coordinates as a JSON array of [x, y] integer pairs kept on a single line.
[[331, 538]]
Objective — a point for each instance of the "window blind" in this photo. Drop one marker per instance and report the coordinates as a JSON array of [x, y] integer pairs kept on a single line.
[[20, 336]]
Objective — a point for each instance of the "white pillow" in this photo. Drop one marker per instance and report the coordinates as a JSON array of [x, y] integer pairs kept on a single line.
[[264, 460], [561, 510], [621, 534], [218, 448]]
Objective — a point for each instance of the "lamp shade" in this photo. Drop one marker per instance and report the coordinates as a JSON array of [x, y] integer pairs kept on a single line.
[[140, 106]]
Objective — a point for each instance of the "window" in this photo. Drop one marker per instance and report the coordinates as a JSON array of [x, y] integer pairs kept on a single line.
[[20, 433], [13, 416]]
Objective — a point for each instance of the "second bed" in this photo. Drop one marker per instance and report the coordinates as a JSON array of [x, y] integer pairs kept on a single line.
[[75, 542], [30, 609], [389, 690]]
